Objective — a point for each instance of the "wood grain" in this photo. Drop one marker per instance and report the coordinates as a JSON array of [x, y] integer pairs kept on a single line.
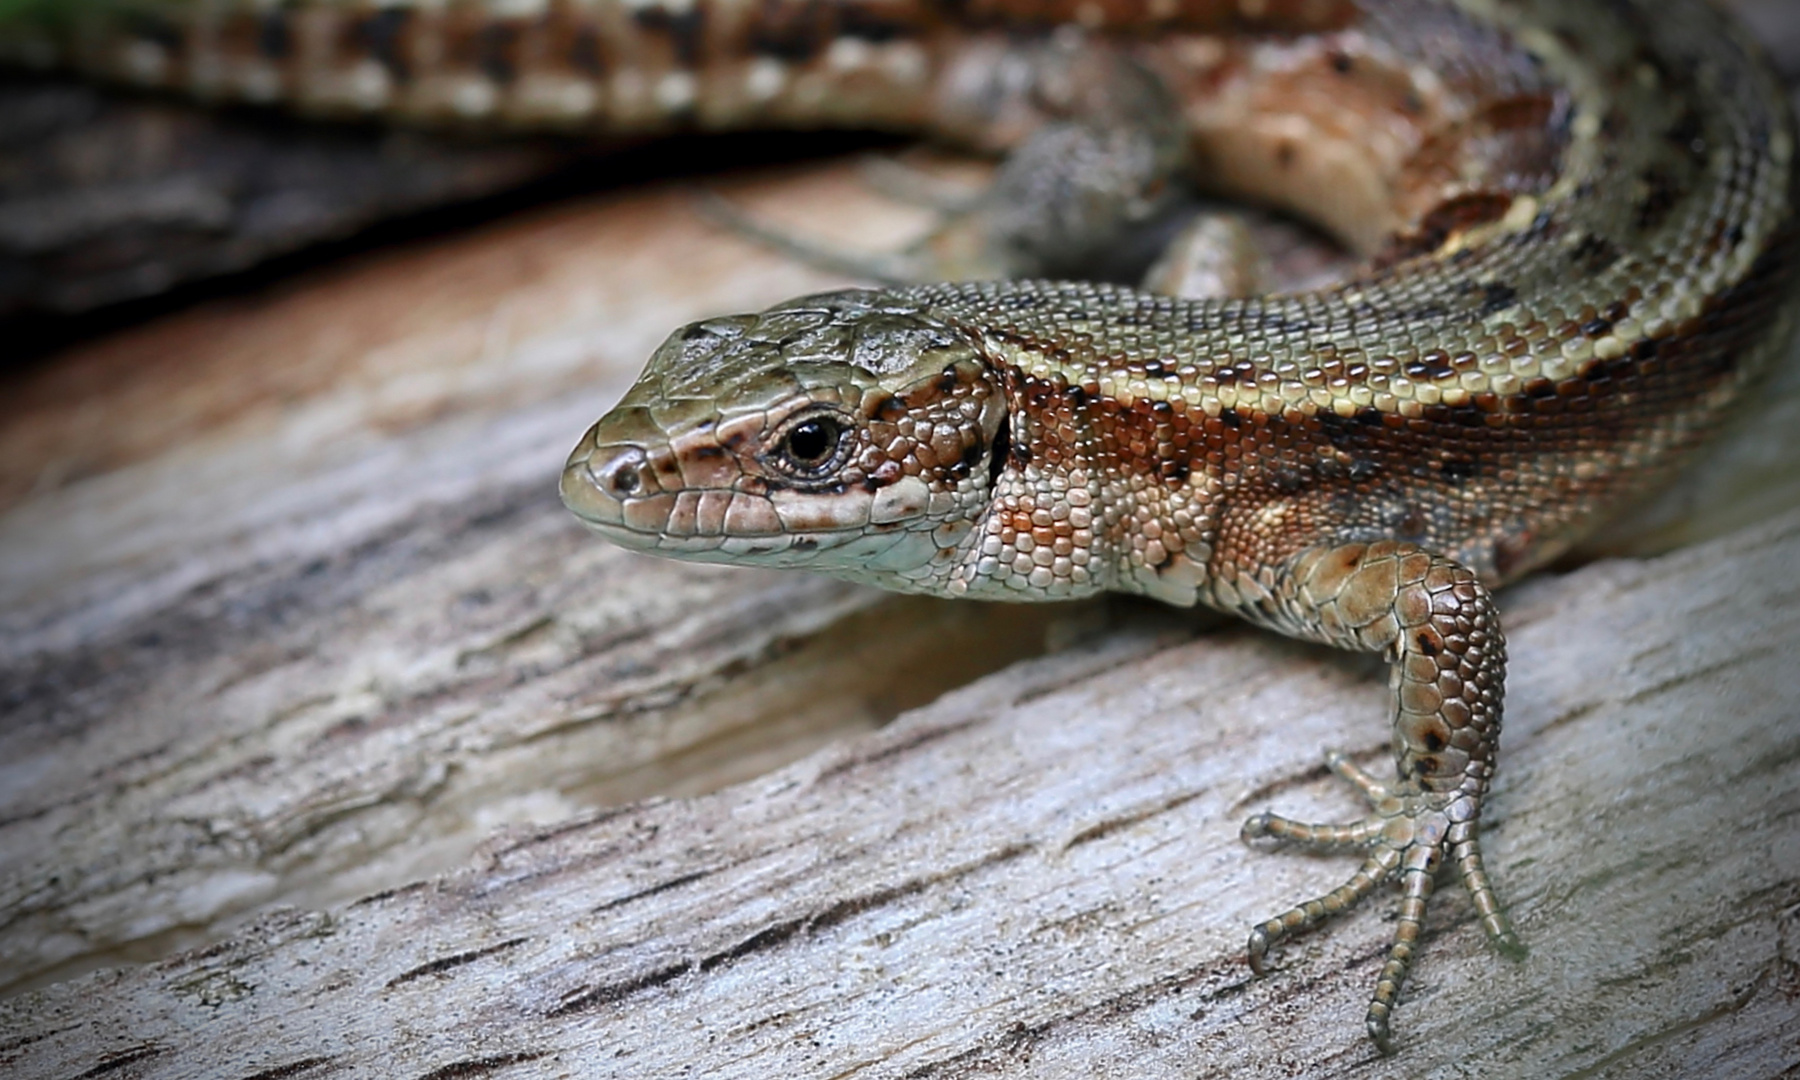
[[1038, 875]]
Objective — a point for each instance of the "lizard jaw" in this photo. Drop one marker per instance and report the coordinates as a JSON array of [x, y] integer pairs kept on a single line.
[[618, 490]]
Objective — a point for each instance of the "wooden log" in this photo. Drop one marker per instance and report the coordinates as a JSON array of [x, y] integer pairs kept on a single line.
[[1038, 875], [108, 197]]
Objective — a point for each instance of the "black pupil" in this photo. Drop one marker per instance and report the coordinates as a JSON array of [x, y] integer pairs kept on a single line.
[[812, 442]]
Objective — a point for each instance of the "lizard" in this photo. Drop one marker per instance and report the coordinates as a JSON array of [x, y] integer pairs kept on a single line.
[[1578, 230], [1538, 340]]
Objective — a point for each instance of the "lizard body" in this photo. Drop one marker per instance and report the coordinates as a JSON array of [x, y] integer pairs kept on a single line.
[[1566, 292], [1579, 226]]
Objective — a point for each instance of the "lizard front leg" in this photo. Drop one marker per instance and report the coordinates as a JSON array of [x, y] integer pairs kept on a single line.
[[1436, 624]]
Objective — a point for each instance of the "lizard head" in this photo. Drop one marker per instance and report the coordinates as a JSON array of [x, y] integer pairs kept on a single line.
[[848, 432]]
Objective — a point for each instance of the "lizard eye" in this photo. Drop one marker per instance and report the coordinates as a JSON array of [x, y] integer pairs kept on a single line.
[[811, 447]]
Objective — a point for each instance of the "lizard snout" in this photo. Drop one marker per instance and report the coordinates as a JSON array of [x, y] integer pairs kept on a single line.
[[598, 480]]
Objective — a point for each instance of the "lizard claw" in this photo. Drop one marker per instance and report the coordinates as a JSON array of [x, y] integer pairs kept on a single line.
[[1407, 836]]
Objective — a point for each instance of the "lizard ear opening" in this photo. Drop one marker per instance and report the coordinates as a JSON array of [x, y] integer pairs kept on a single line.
[[1000, 450]]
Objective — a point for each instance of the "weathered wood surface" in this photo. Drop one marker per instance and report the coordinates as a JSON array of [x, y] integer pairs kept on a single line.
[[1038, 876], [106, 197], [302, 665]]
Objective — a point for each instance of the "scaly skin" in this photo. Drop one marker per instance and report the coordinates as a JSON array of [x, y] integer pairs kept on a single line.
[[1579, 224], [1357, 467]]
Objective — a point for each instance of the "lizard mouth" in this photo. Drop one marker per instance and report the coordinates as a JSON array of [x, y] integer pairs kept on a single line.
[[615, 489], [602, 490], [621, 491]]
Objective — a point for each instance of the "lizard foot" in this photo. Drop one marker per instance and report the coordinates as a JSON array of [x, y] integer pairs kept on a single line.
[[1406, 838]]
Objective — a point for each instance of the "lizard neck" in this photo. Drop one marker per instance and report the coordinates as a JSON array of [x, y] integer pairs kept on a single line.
[[1083, 492]]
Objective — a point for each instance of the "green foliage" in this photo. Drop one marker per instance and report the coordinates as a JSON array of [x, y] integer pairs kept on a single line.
[[52, 12], [38, 11], [13, 10]]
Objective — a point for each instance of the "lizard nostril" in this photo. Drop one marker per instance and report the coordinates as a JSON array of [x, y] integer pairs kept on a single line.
[[622, 475], [600, 484]]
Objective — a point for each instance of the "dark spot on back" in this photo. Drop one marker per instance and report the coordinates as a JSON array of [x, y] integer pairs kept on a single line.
[[1341, 432], [1287, 480], [584, 52], [147, 26], [857, 21], [274, 40], [494, 52], [379, 35], [1434, 364], [1458, 469], [686, 30], [794, 33], [1594, 253], [1663, 191], [1686, 133], [1242, 372], [1497, 296]]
